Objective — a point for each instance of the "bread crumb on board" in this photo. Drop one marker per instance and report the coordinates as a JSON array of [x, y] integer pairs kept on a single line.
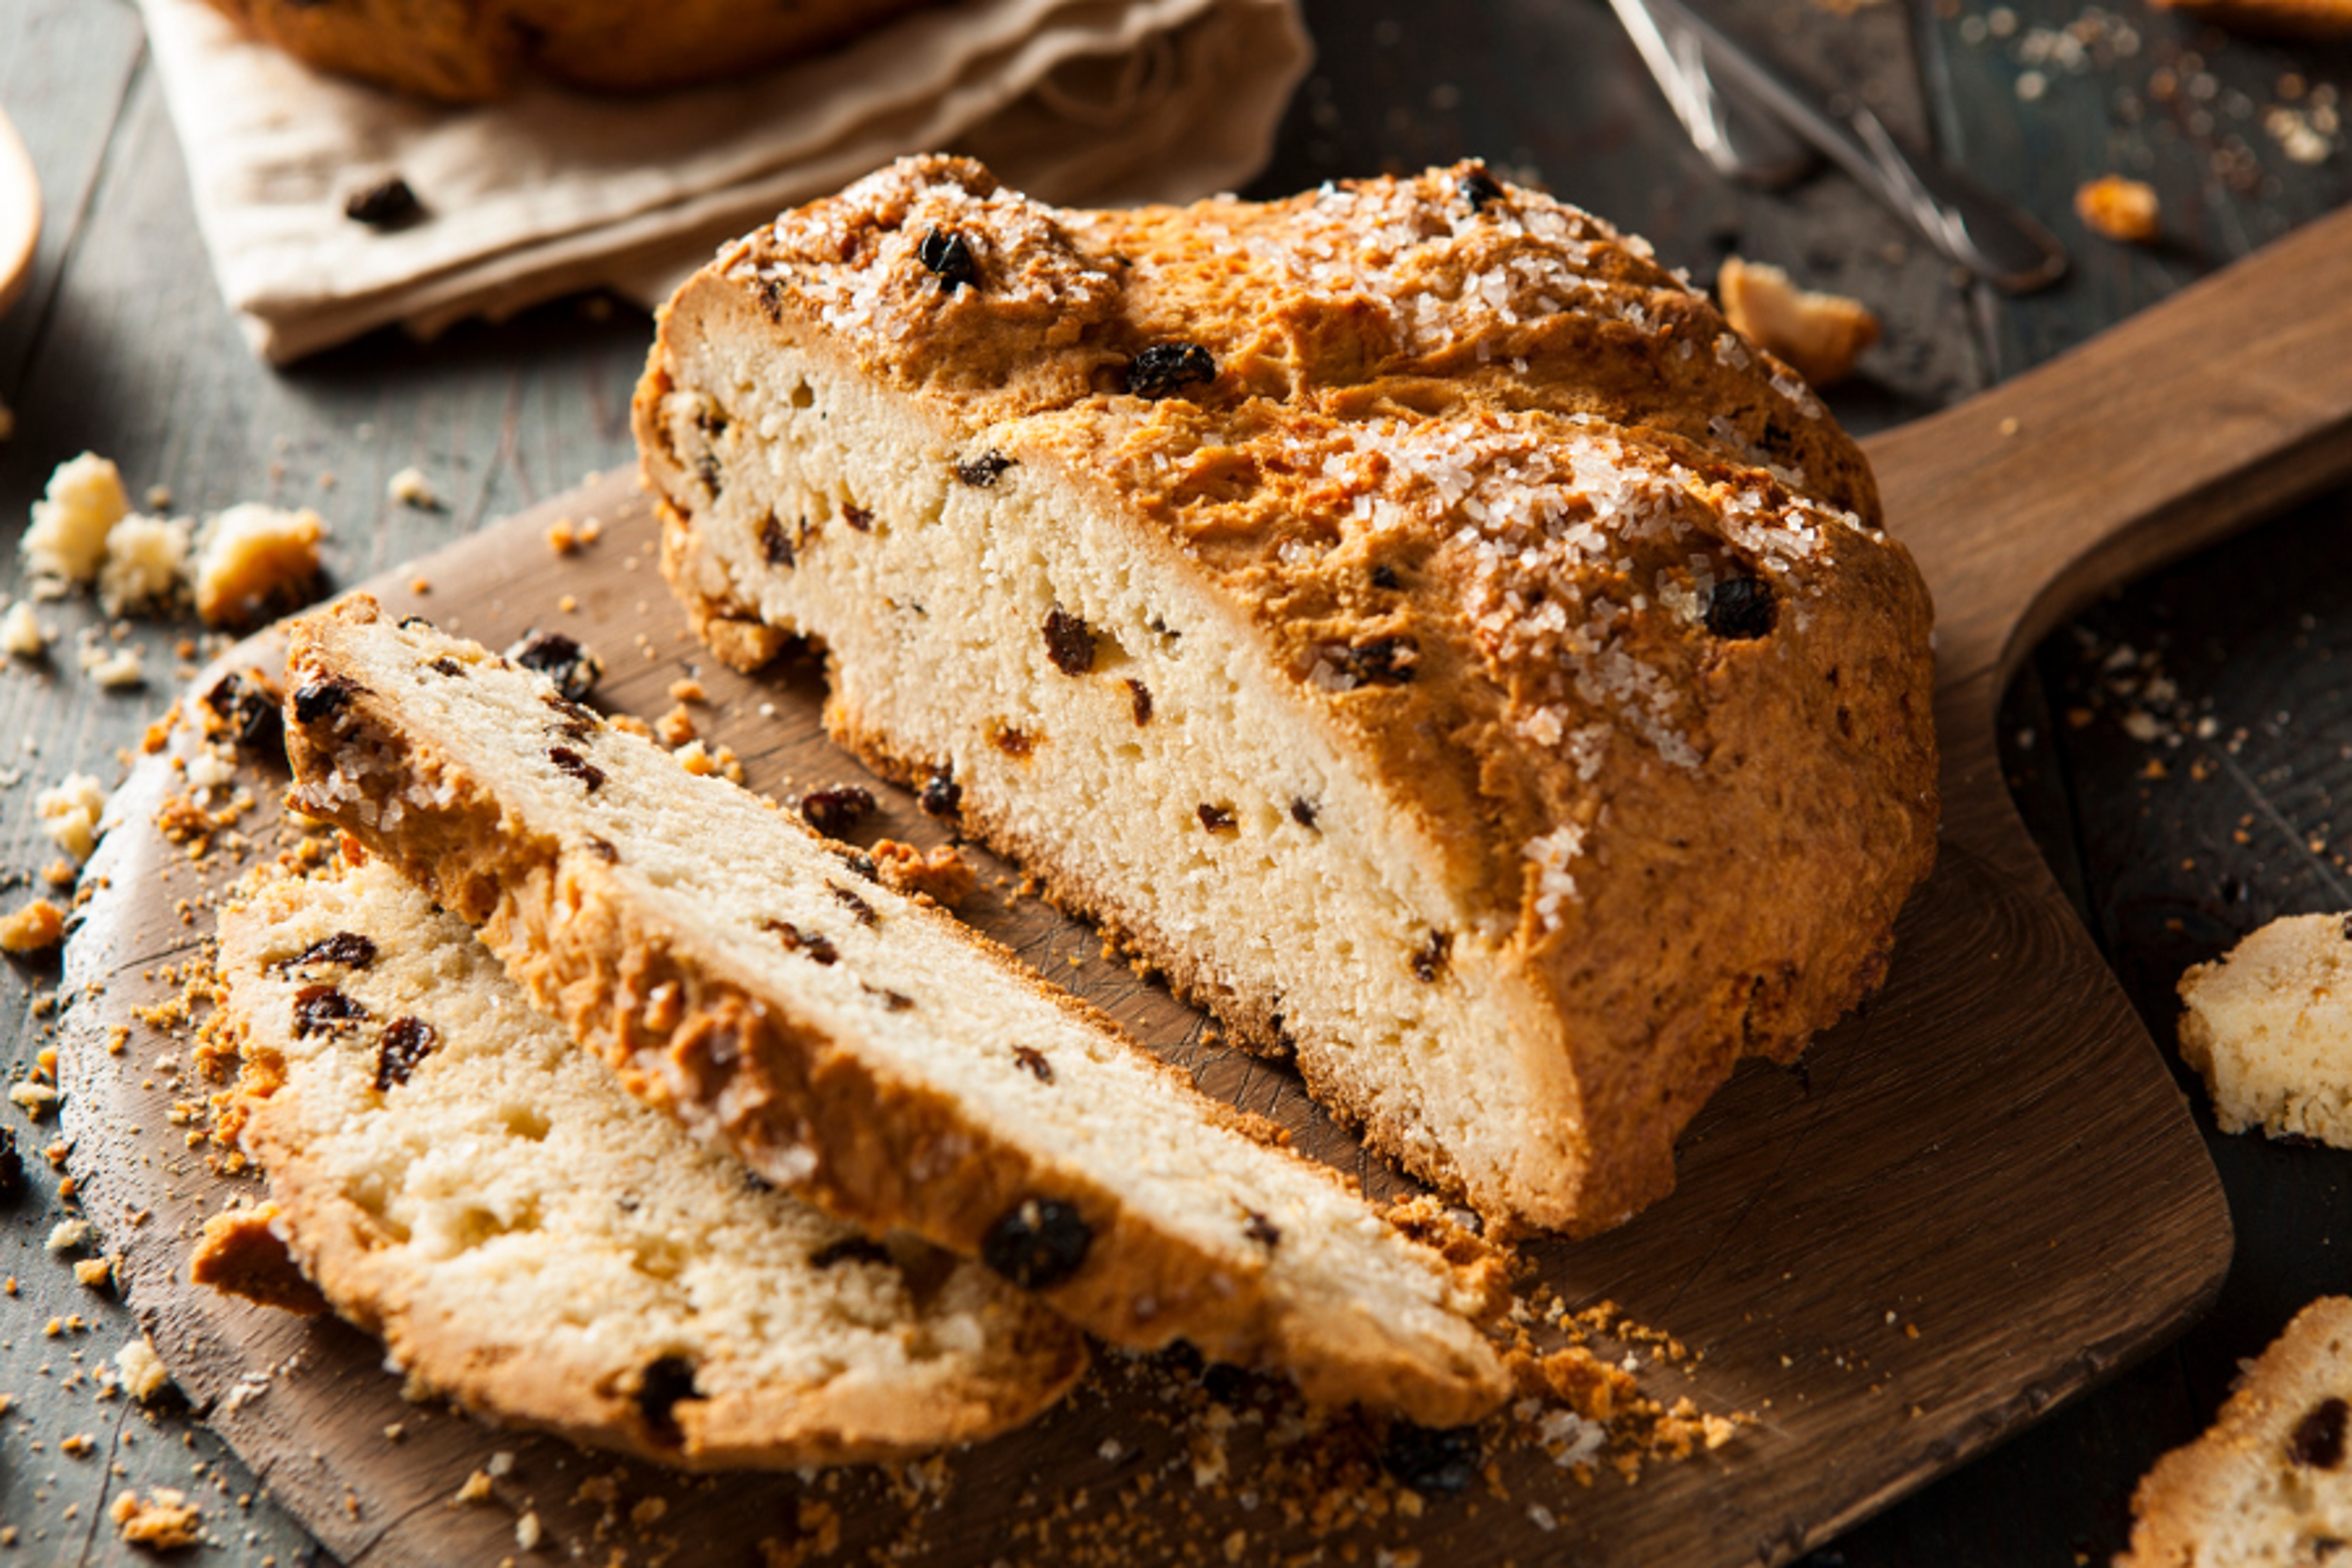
[[565, 536], [164, 1518], [409, 487], [34, 927], [144, 1376], [69, 811], [1821, 335], [119, 670], [254, 561], [21, 633], [943, 874], [245, 565], [66, 544], [146, 560], [2120, 209]]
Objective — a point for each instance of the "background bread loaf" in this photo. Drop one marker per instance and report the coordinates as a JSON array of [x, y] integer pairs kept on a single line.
[[463, 51]]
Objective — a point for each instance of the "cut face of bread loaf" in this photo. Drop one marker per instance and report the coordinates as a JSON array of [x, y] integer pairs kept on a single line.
[[460, 1178], [2270, 1484], [1406, 614], [859, 1047]]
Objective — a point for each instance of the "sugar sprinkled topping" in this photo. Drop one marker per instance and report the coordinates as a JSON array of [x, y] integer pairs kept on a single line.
[[1551, 525], [1442, 273], [868, 281], [1554, 887], [1583, 554]]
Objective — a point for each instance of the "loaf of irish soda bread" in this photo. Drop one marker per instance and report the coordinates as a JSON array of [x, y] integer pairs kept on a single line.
[[858, 1046], [2268, 1485], [468, 50], [458, 1177], [1408, 615]]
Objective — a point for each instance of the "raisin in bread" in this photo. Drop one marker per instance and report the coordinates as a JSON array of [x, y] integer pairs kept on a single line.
[[2270, 1028], [1406, 613], [2267, 1486], [459, 1178], [854, 1044], [465, 51]]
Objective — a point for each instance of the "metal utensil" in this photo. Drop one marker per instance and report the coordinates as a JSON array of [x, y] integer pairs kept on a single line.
[[1989, 237], [1739, 140]]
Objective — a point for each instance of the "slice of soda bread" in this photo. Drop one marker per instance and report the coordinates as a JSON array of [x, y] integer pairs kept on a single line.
[[459, 1178], [857, 1046], [2270, 1027], [1407, 613], [2267, 1486]]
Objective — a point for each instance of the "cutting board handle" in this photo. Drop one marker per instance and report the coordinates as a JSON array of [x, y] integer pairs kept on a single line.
[[2224, 405]]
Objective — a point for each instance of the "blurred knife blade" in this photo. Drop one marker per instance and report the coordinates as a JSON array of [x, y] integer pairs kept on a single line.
[[1737, 82], [1738, 140]]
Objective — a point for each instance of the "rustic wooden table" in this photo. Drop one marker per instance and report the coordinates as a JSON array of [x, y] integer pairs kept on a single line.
[[2171, 846]]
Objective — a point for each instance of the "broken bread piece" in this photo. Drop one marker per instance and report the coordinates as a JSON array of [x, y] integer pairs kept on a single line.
[[862, 1047], [1407, 615], [2123, 210], [459, 1178], [2269, 1028], [1820, 335], [2268, 1485]]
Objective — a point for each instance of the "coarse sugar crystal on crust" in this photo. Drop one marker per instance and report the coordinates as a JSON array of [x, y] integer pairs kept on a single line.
[[1406, 614], [459, 1178], [863, 1048]]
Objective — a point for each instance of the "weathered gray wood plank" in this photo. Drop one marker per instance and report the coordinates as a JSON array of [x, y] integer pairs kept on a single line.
[[68, 73], [64, 69], [2044, 95], [123, 345]]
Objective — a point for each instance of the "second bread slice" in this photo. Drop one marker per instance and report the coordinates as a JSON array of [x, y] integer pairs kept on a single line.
[[859, 1047], [458, 1178]]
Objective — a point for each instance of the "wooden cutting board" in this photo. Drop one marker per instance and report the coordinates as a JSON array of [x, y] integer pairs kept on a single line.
[[1970, 1204]]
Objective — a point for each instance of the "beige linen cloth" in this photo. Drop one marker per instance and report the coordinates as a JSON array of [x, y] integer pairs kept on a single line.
[[1095, 102]]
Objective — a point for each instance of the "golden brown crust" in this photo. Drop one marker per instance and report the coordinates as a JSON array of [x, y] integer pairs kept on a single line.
[[468, 50], [690, 1034], [1470, 472], [943, 875], [242, 1253]]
